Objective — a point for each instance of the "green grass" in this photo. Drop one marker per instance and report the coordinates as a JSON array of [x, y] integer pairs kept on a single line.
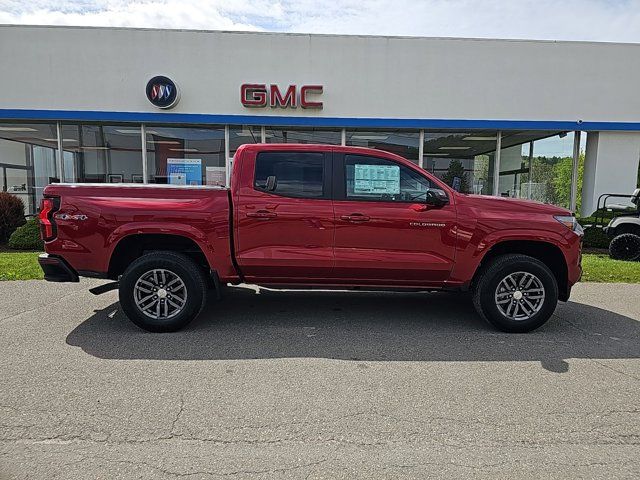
[[19, 266], [597, 267]]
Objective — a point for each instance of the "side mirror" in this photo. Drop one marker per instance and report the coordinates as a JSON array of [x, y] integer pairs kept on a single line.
[[272, 183], [436, 197]]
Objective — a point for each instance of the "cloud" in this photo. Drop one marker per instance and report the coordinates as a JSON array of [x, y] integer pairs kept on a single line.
[[196, 14], [601, 20]]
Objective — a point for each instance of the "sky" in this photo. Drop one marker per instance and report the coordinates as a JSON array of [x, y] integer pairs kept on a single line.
[[594, 20]]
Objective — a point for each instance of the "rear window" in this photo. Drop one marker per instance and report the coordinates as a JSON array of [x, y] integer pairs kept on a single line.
[[291, 174]]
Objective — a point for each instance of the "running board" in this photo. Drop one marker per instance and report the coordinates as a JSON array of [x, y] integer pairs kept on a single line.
[[107, 287]]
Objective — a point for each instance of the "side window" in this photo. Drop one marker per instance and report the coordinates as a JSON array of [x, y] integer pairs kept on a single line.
[[377, 179], [291, 174]]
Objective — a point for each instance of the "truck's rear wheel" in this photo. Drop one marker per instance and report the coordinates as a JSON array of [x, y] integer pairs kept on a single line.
[[162, 291], [515, 293]]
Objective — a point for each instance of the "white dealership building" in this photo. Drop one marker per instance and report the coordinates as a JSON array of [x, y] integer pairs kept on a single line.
[[507, 117]]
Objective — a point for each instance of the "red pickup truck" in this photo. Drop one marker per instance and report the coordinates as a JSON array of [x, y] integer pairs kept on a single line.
[[311, 216]]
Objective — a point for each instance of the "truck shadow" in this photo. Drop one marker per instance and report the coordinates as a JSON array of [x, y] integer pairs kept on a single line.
[[360, 326]]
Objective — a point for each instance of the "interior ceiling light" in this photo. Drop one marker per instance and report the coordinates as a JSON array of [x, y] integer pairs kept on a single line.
[[454, 148], [167, 142], [18, 129], [369, 137], [480, 139], [184, 149], [125, 131], [436, 154], [55, 140], [129, 132]]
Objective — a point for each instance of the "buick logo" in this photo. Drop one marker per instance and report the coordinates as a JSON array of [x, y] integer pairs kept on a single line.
[[162, 92]]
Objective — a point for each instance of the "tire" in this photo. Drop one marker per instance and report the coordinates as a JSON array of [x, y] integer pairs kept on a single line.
[[179, 295], [500, 296], [625, 246]]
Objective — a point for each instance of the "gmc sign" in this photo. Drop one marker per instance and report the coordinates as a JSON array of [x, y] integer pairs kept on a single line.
[[258, 95]]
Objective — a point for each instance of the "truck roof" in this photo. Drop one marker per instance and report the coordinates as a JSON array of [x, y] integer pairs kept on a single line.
[[318, 147]]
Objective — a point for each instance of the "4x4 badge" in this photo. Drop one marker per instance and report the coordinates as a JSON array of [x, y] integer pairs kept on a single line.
[[66, 216]]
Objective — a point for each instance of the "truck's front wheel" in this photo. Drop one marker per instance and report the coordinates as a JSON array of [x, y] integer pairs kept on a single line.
[[162, 291], [515, 293]]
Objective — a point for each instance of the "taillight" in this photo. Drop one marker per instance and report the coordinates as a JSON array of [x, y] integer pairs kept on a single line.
[[47, 226]]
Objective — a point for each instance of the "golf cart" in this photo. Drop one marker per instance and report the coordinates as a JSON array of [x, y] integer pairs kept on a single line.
[[624, 227]]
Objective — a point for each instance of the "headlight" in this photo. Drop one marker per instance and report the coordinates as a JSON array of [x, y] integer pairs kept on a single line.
[[570, 222]]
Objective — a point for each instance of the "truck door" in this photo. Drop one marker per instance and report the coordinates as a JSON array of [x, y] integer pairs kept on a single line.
[[284, 216], [385, 231]]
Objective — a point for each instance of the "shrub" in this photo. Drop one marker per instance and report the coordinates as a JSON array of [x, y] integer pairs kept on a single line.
[[11, 215], [595, 238], [27, 237]]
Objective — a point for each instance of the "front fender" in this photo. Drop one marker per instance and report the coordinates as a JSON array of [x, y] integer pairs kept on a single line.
[[492, 239], [470, 256]]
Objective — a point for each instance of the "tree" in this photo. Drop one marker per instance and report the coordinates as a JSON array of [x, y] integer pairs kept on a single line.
[[456, 169], [542, 174], [562, 181]]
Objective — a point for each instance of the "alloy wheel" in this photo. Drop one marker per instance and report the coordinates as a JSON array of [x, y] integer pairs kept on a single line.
[[520, 295], [160, 294]]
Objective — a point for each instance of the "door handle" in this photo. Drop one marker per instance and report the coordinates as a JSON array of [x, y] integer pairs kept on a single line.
[[356, 217], [262, 214]]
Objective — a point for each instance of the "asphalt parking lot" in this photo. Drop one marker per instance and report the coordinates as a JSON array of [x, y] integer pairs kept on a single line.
[[317, 385]]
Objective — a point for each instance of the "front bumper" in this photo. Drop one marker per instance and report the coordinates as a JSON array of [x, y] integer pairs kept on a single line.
[[56, 269]]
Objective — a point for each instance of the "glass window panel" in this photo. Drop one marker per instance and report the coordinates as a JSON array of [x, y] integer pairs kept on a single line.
[[403, 143], [18, 184], [102, 153], [242, 134], [468, 156], [28, 160], [537, 165], [292, 174], [300, 135], [186, 155]]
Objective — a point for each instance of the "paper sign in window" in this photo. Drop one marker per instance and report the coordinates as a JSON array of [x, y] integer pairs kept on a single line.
[[377, 179], [184, 171]]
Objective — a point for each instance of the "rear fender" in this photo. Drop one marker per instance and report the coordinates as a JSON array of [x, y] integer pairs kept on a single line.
[[166, 228]]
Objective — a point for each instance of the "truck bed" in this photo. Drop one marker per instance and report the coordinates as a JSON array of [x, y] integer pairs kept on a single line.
[[93, 219]]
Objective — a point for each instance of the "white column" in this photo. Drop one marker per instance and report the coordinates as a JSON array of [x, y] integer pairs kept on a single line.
[[573, 199], [227, 169], [530, 170], [610, 166], [263, 134], [421, 149], [143, 139], [60, 160], [496, 165], [343, 137]]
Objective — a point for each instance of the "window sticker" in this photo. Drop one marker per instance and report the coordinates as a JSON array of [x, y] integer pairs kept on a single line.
[[377, 179]]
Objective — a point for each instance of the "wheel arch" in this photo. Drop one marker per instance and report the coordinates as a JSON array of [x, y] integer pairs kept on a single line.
[[548, 253], [133, 246]]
